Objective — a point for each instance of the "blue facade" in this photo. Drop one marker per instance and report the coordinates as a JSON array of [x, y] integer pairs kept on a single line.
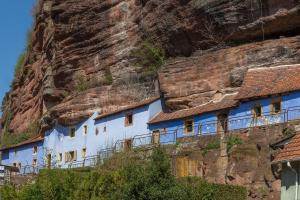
[[242, 116], [26, 155], [113, 129], [203, 124], [239, 117], [64, 145], [100, 134]]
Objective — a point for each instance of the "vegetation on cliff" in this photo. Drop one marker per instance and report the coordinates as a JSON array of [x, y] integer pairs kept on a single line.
[[127, 177]]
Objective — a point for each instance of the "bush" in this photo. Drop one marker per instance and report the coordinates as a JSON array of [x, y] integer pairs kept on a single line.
[[232, 141], [211, 146], [134, 179], [9, 139], [149, 58], [19, 64]]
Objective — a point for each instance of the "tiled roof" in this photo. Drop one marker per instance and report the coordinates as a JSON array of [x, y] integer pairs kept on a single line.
[[269, 81], [30, 141], [132, 106], [291, 150], [227, 101]]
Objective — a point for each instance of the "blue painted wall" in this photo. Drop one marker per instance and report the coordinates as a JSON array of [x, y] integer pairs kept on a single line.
[[24, 155], [170, 130], [241, 116], [58, 140], [116, 129]]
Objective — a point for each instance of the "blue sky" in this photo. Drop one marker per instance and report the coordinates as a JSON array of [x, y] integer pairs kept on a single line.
[[15, 21]]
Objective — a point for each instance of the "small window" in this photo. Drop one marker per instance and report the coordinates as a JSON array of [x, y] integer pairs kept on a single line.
[[70, 156], [128, 119], [85, 129], [72, 132], [257, 111], [35, 150], [60, 157], [14, 164], [104, 129], [34, 162], [188, 126], [276, 107], [83, 153], [96, 131], [15, 152]]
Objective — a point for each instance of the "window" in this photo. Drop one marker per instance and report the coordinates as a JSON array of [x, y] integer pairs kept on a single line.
[[60, 157], [257, 111], [156, 137], [188, 126], [35, 150], [128, 119], [276, 107], [104, 129], [127, 144], [85, 129], [83, 153], [15, 164], [15, 152], [96, 131], [72, 132], [34, 162], [70, 156]]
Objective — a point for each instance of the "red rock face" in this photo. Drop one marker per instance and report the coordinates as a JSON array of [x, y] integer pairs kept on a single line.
[[91, 40], [195, 80]]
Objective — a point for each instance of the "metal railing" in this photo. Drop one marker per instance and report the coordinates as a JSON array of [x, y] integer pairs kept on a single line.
[[171, 137]]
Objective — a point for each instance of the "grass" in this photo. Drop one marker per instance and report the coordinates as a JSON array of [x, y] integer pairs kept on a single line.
[[210, 146]]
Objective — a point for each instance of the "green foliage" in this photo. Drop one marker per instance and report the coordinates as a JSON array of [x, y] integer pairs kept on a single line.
[[133, 179], [83, 84], [211, 146], [19, 64], [108, 76], [9, 139], [232, 141], [288, 131], [149, 57]]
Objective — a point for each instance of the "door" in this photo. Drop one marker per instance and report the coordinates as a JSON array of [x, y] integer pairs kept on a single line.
[[127, 145], [222, 124], [49, 157], [156, 137]]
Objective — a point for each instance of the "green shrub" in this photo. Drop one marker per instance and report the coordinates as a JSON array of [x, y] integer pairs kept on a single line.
[[232, 141], [19, 64], [210, 146], [149, 58], [133, 179], [8, 139]]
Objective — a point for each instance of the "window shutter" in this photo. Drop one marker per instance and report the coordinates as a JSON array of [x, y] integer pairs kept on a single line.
[[66, 157], [75, 155]]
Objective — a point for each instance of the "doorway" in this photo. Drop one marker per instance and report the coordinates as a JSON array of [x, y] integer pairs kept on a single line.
[[49, 157], [222, 124], [156, 137]]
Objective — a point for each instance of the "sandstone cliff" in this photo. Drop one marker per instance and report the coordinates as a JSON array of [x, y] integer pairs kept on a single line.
[[209, 45]]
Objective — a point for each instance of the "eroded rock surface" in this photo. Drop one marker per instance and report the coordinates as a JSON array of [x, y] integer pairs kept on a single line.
[[76, 42]]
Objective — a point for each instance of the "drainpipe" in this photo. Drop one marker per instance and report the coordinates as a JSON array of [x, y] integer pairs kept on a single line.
[[295, 171]]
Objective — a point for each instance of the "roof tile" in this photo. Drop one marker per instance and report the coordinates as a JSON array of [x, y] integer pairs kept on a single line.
[[260, 82], [291, 150], [227, 101]]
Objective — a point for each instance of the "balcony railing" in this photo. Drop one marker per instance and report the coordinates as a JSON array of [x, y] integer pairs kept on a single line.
[[171, 137]]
